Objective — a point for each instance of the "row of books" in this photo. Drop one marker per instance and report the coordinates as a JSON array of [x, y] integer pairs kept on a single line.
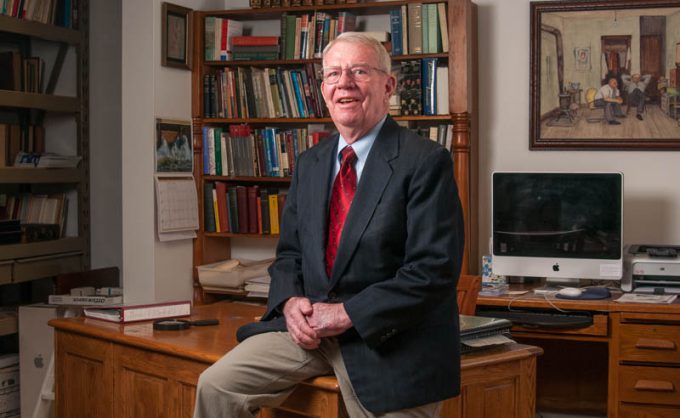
[[56, 12], [267, 152], [419, 29], [33, 208], [242, 209], [256, 4], [250, 92], [15, 138], [441, 134], [305, 36], [20, 73], [422, 88]]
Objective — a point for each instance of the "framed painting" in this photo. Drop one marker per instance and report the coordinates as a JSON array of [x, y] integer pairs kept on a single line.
[[173, 147], [176, 36], [605, 75]]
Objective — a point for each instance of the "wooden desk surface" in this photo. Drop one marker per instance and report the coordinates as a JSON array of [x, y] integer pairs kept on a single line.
[[531, 300], [207, 344]]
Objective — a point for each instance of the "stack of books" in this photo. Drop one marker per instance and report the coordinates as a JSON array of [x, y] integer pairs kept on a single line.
[[255, 48]]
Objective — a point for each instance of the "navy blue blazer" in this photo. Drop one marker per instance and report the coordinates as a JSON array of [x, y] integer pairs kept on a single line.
[[396, 270]]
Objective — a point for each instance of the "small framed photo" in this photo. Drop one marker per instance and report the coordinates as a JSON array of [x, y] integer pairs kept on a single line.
[[174, 153], [176, 36]]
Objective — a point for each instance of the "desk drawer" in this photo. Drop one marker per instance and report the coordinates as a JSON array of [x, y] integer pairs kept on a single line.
[[651, 385], [647, 411], [650, 343]]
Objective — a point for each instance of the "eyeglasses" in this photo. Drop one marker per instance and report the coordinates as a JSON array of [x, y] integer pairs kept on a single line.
[[331, 75]]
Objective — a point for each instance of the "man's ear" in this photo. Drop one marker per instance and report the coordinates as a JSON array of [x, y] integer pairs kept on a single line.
[[390, 86]]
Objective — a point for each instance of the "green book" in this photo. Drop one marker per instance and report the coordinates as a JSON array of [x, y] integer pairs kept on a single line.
[[432, 27], [217, 137], [425, 30]]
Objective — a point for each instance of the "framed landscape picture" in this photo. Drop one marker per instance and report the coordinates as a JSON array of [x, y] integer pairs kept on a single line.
[[173, 147], [605, 75]]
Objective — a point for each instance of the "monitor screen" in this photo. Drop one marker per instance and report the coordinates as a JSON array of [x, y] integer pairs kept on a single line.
[[557, 225]]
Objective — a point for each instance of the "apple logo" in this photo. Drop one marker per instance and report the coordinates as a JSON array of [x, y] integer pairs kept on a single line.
[[556, 267]]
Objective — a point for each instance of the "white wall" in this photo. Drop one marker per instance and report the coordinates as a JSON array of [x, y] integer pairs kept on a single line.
[[651, 195], [105, 134]]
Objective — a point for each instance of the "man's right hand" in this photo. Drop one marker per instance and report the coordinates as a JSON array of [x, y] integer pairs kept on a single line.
[[296, 310]]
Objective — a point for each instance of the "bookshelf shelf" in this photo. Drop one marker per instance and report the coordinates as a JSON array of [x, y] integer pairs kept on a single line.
[[302, 121], [207, 101], [40, 175], [231, 235], [41, 248], [19, 99], [40, 30], [373, 8], [298, 62], [252, 179]]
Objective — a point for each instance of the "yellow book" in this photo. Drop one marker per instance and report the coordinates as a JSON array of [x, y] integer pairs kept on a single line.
[[217, 215], [274, 213]]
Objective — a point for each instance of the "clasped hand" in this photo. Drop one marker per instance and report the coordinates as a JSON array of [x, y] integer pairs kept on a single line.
[[307, 323]]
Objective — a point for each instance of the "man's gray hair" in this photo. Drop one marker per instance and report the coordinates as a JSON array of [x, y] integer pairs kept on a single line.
[[384, 60]]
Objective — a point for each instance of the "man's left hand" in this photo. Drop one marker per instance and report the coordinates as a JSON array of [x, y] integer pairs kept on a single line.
[[329, 319]]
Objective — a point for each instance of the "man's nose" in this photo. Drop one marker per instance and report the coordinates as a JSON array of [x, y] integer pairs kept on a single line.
[[346, 78]]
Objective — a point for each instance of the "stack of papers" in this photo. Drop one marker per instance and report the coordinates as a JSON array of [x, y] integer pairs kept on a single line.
[[258, 287]]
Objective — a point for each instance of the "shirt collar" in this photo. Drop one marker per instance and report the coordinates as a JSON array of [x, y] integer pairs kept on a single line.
[[361, 146]]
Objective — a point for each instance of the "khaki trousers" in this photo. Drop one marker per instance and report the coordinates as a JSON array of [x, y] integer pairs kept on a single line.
[[264, 369]]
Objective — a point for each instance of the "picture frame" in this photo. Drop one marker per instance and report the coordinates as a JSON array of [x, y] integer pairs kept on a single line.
[[174, 148], [176, 27], [578, 47]]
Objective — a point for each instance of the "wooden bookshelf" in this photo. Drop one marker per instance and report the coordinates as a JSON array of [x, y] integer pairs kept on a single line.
[[210, 246], [25, 261]]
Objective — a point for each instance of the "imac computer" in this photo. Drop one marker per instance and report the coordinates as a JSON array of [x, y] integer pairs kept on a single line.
[[559, 226]]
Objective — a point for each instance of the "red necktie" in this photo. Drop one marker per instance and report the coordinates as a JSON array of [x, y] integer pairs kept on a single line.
[[344, 186]]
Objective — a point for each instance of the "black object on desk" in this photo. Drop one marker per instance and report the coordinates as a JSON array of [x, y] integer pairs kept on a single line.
[[180, 324], [540, 319]]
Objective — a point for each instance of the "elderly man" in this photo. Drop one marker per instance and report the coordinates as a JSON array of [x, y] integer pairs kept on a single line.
[[635, 86], [609, 97], [364, 282]]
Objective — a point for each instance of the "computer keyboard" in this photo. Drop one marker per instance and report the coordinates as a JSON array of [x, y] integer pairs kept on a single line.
[[541, 319]]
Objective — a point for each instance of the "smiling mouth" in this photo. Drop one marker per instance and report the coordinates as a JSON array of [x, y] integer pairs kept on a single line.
[[346, 100]]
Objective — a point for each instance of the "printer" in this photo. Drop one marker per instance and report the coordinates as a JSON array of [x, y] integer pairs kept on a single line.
[[651, 269]]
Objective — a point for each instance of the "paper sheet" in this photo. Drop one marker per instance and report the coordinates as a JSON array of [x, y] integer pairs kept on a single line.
[[486, 341], [176, 207]]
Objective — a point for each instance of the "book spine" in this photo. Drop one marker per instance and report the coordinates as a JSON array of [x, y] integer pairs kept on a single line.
[[254, 40], [395, 27], [208, 211], [415, 35], [274, 213], [155, 312], [253, 192]]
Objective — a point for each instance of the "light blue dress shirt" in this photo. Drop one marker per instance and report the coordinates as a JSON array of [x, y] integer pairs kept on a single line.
[[361, 147]]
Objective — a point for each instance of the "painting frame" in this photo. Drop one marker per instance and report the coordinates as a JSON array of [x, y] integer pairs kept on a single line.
[[559, 116], [174, 147], [176, 35]]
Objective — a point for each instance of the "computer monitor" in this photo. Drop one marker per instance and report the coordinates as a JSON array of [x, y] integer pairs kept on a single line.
[[561, 226]]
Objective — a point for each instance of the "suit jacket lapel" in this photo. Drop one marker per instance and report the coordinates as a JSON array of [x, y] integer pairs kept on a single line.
[[318, 201], [374, 178]]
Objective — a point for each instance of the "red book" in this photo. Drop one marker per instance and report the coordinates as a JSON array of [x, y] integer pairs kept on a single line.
[[222, 211], [137, 312], [254, 40]]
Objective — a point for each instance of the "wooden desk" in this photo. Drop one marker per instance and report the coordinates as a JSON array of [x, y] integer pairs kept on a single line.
[[624, 365], [109, 370]]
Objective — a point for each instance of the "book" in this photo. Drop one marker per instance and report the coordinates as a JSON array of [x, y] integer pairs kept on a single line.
[[254, 40], [83, 300], [645, 298], [125, 313]]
